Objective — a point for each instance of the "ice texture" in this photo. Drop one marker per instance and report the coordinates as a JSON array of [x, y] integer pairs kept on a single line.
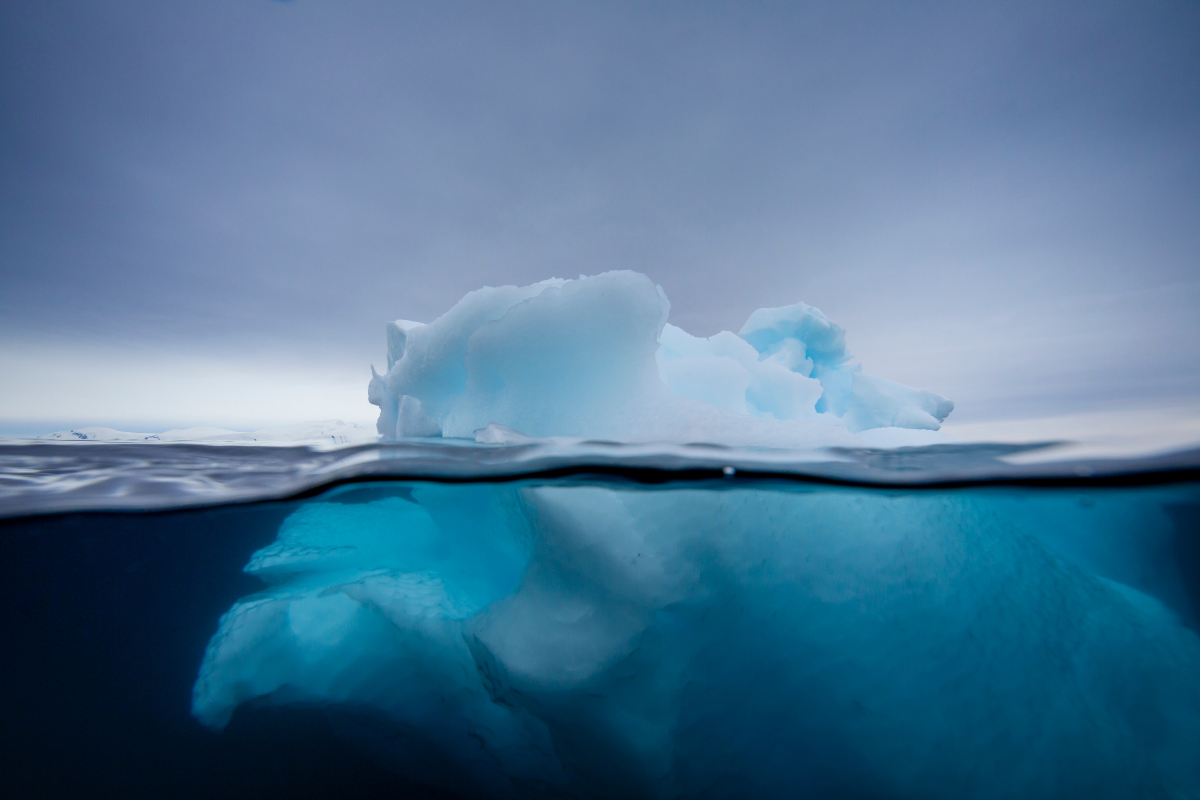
[[595, 357], [508, 640]]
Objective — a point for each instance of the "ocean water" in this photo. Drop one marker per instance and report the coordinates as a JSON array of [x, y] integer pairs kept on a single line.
[[652, 621]]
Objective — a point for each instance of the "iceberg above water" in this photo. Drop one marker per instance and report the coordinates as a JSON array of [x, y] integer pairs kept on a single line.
[[595, 358]]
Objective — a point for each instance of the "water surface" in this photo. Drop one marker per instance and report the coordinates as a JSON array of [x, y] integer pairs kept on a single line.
[[886, 606]]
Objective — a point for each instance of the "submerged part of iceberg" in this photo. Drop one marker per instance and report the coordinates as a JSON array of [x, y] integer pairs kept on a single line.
[[596, 358], [733, 641]]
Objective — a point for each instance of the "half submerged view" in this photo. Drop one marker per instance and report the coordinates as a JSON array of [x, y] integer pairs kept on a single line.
[[594, 556]]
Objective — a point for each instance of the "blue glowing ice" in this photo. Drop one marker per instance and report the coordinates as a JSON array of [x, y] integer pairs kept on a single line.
[[596, 358], [516, 641]]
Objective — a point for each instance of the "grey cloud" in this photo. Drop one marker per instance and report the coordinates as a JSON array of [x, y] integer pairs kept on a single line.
[[212, 173]]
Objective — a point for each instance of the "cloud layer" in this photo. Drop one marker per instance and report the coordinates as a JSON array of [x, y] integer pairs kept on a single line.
[[996, 202]]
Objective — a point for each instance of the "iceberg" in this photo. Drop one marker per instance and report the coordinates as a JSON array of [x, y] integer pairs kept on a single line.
[[595, 358], [593, 637]]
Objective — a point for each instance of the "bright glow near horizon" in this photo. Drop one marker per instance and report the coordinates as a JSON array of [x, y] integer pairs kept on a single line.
[[154, 391]]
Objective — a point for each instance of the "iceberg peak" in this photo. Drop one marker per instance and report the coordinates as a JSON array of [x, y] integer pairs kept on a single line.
[[596, 358]]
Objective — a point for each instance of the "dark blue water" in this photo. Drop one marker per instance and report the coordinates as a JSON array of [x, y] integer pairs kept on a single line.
[[106, 617]]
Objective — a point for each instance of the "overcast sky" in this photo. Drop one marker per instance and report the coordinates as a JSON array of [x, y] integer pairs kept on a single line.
[[209, 208]]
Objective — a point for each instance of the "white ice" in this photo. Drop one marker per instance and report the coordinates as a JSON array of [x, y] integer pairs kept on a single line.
[[595, 358]]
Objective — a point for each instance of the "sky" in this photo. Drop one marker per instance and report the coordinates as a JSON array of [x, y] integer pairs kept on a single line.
[[210, 208]]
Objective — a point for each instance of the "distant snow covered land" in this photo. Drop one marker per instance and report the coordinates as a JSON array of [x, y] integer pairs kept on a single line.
[[328, 432]]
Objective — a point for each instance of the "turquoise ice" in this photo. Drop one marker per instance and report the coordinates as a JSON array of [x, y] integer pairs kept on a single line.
[[742, 640]]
